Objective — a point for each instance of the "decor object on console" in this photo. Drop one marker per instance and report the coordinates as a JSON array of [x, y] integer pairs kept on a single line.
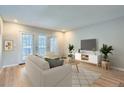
[[94, 51], [79, 50], [106, 50]]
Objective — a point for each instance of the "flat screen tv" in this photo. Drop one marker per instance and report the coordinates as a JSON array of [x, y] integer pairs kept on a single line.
[[88, 44]]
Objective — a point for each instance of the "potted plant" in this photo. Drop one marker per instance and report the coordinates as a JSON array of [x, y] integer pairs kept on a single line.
[[106, 50], [71, 49]]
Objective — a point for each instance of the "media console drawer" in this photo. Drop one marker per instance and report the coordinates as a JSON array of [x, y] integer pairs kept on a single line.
[[89, 58]]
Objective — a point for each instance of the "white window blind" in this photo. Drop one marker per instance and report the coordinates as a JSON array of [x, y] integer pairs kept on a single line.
[[27, 45], [53, 45], [42, 45]]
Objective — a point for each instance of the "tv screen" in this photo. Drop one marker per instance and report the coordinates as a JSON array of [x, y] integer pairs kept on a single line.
[[88, 44]]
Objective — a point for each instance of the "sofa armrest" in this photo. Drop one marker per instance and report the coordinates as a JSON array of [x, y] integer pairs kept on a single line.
[[54, 76], [34, 73]]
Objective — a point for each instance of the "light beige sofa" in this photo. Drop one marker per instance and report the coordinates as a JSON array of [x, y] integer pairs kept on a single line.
[[41, 75], [51, 55]]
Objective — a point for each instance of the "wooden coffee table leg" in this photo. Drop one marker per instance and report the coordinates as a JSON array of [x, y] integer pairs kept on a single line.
[[77, 67]]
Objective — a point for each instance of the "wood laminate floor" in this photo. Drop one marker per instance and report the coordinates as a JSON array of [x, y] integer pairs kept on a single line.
[[12, 76], [108, 78]]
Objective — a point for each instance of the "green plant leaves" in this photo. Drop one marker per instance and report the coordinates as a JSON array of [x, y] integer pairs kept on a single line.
[[71, 48], [105, 50]]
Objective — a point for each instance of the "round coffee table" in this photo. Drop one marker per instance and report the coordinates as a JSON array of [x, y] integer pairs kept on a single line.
[[75, 62]]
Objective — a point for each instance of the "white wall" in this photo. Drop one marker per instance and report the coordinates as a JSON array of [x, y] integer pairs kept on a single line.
[[1, 31], [12, 32], [111, 33]]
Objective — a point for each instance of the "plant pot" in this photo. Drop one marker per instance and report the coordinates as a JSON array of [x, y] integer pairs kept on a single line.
[[106, 65]]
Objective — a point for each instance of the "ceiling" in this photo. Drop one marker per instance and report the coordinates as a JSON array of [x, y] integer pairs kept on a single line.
[[70, 17]]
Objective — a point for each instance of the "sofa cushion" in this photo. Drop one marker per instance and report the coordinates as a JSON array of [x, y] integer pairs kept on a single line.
[[41, 63], [51, 55], [54, 62]]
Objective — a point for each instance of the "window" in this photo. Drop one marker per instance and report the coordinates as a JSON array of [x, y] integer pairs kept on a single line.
[[27, 45], [53, 45], [42, 45]]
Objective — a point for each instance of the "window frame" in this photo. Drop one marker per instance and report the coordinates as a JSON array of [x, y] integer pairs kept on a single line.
[[26, 33], [55, 45], [44, 46]]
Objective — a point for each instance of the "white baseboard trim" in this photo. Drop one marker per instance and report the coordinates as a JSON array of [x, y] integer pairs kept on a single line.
[[9, 65], [117, 68]]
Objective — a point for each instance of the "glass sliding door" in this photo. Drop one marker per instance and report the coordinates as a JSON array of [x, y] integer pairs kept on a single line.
[[42, 45], [27, 45]]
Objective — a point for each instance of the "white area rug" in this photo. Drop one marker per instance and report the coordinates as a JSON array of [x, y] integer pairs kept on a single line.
[[83, 78]]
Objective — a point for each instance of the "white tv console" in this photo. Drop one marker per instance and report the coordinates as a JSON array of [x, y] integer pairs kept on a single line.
[[88, 57]]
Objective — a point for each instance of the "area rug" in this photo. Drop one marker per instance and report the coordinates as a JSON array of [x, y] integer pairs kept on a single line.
[[83, 78]]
